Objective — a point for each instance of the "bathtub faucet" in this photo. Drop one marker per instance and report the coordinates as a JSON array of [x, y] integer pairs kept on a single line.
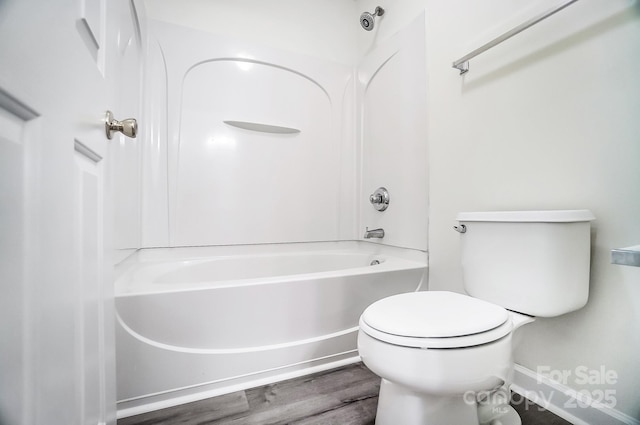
[[375, 233]]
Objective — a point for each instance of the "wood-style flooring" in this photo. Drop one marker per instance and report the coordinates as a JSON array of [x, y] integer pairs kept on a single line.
[[344, 396]]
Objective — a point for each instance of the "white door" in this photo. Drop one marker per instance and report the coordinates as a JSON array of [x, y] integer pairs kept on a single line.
[[58, 75]]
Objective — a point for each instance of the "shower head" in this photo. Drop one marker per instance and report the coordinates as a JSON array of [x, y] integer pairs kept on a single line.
[[367, 20]]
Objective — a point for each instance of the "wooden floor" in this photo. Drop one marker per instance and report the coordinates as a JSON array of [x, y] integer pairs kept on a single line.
[[344, 396]]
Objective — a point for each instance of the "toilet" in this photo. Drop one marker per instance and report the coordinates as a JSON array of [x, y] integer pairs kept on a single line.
[[442, 356]]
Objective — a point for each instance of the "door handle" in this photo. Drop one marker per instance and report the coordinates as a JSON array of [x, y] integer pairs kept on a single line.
[[128, 127]]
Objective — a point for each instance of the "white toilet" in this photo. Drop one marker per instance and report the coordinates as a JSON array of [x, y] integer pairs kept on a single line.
[[439, 352]]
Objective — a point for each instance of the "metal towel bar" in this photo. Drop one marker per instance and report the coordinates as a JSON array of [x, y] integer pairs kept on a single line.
[[462, 64]]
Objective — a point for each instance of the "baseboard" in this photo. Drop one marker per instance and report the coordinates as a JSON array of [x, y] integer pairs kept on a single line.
[[154, 402], [566, 402]]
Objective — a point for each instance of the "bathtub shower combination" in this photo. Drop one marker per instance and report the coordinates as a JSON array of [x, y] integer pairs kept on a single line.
[[255, 189], [196, 322]]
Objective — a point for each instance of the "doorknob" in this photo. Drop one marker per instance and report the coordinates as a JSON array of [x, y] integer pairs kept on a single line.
[[128, 127]]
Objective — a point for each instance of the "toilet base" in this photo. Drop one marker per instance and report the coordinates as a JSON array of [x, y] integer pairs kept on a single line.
[[400, 405], [496, 410]]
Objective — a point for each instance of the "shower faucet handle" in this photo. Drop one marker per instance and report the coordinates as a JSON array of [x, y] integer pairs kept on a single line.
[[375, 198], [380, 199]]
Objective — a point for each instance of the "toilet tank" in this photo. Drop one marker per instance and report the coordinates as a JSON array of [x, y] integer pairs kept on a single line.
[[532, 262]]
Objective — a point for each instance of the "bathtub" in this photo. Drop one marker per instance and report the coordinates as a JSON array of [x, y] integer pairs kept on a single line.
[[198, 322]]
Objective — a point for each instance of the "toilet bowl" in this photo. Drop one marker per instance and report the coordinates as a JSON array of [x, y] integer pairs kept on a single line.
[[436, 352], [441, 353]]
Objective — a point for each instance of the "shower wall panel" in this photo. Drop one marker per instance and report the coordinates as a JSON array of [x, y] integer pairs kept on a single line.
[[259, 143], [392, 103]]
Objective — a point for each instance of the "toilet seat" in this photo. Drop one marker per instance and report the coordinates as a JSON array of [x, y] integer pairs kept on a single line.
[[435, 319]]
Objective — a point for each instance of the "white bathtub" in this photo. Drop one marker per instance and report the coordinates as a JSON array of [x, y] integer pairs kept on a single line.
[[197, 322]]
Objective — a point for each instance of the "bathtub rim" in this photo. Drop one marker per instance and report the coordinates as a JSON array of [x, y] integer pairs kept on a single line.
[[145, 254], [397, 259]]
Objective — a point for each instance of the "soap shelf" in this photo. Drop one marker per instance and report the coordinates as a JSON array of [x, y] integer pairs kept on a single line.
[[629, 256], [264, 128]]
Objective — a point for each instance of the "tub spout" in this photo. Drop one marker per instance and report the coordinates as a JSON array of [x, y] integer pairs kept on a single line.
[[375, 233]]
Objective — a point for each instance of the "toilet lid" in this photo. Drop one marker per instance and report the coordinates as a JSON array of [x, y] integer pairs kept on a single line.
[[434, 315]]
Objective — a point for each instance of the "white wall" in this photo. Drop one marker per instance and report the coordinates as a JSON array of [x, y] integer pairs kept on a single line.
[[240, 195], [319, 28], [547, 120], [392, 137], [209, 183], [295, 188]]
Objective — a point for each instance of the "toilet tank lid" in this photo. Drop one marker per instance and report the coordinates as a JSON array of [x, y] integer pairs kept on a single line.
[[550, 216]]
